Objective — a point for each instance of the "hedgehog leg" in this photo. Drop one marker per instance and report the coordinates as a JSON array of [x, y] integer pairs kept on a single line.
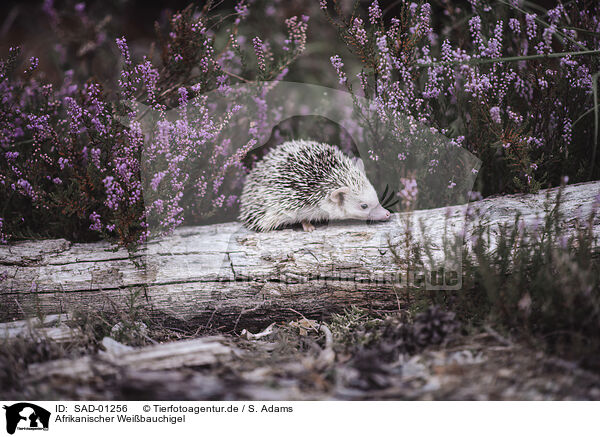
[[307, 226]]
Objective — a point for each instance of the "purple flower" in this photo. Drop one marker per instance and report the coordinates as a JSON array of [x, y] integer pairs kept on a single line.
[[95, 219], [424, 22], [242, 10], [495, 114], [296, 33], [514, 25], [156, 180], [567, 132], [555, 13], [63, 162], [259, 49], [34, 62], [95, 152], [27, 189], [374, 12], [409, 191], [338, 64], [124, 49], [531, 26], [359, 31]]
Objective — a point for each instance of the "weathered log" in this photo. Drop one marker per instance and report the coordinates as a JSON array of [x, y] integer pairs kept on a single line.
[[225, 276], [174, 355], [52, 327]]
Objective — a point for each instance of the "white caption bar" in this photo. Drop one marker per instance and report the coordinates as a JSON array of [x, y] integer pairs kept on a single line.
[[279, 419]]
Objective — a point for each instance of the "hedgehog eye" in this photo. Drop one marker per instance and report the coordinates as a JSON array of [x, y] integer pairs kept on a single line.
[[364, 206]]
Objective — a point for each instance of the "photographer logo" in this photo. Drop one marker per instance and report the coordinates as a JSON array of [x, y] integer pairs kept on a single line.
[[26, 417]]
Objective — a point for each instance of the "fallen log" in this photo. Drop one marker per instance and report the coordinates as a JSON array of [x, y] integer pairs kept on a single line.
[[223, 275], [174, 355], [52, 327]]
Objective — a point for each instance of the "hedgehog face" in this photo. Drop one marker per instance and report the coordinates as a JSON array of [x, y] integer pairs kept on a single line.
[[362, 205]]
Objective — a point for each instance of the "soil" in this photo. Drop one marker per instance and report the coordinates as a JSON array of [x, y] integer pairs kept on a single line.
[[296, 362]]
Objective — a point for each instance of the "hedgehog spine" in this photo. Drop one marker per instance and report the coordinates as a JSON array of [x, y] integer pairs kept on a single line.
[[305, 181]]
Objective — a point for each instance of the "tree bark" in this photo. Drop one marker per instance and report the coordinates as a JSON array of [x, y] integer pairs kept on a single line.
[[226, 276]]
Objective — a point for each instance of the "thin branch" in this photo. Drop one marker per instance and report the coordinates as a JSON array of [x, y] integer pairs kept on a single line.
[[477, 61]]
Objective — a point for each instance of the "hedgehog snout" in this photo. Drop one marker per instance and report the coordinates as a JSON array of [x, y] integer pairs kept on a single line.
[[379, 213]]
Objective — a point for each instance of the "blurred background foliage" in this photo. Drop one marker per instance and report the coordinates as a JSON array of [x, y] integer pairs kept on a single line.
[[531, 119]]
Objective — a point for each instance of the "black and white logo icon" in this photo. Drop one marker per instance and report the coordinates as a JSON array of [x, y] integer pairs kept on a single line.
[[26, 416]]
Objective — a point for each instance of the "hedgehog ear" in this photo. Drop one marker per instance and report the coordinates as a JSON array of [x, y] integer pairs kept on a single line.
[[359, 163], [337, 196]]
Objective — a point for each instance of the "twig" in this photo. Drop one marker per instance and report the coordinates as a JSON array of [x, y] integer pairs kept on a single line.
[[328, 336], [491, 331], [229, 73], [242, 313]]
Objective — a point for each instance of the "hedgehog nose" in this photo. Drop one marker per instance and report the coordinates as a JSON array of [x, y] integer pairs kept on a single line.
[[380, 214]]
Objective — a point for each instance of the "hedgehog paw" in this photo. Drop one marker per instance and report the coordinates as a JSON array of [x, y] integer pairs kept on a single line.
[[307, 226]]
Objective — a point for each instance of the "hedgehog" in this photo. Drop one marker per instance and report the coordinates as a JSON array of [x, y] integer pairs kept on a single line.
[[304, 182]]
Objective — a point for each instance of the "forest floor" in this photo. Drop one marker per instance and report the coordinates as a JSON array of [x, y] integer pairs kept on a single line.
[[302, 361]]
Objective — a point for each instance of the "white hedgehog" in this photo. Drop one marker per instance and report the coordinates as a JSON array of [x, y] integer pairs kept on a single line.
[[304, 181]]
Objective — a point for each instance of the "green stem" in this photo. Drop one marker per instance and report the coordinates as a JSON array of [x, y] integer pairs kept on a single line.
[[477, 61]]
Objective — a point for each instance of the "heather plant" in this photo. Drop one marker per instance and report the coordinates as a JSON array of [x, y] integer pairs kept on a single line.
[[74, 155], [511, 84], [514, 86], [538, 280], [542, 281]]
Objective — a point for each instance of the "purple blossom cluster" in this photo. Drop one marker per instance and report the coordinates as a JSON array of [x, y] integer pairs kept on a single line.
[[297, 28], [359, 32], [144, 162], [374, 12], [338, 64], [409, 191], [518, 109], [513, 85], [259, 49]]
